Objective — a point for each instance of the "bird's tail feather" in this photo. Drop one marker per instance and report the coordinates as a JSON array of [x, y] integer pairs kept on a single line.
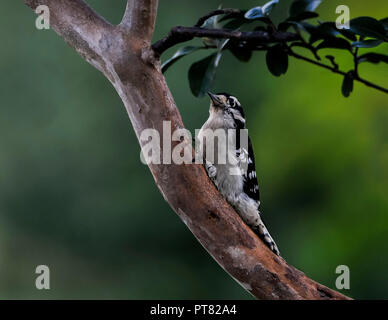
[[261, 230]]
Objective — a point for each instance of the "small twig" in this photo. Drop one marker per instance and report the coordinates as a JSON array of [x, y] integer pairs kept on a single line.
[[355, 59], [356, 76], [213, 13], [183, 34], [332, 60], [355, 56], [310, 46]]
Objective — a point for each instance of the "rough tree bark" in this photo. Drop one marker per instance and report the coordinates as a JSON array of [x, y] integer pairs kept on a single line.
[[123, 53]]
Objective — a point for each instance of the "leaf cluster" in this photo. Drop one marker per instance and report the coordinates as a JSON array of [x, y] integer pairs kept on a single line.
[[364, 32]]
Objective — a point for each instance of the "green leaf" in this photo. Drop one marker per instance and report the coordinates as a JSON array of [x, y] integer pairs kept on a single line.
[[325, 30], [368, 27], [222, 44], [371, 43], [332, 60], [254, 13], [202, 74], [331, 28], [348, 84], [277, 60], [269, 6], [334, 43], [373, 58], [385, 23], [348, 34], [262, 11], [178, 55], [299, 6], [213, 22], [304, 45], [242, 54]]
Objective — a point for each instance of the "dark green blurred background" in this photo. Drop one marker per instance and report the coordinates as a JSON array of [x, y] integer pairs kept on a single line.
[[74, 195]]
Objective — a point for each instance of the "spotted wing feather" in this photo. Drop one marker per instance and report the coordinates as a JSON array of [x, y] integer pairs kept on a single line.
[[251, 186]]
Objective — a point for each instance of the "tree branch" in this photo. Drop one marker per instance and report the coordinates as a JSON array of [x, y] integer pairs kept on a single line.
[[253, 40], [186, 188], [336, 70], [139, 18], [182, 34]]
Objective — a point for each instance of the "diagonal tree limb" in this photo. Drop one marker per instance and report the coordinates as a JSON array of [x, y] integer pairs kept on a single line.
[[131, 66]]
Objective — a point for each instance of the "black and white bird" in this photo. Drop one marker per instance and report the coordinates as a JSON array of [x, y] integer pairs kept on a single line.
[[238, 186]]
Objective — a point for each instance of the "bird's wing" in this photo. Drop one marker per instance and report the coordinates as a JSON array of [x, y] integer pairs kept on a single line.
[[251, 186]]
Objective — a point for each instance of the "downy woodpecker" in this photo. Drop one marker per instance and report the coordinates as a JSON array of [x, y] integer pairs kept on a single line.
[[241, 190]]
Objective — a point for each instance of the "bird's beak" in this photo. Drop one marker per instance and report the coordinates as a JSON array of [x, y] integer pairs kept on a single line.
[[214, 98]]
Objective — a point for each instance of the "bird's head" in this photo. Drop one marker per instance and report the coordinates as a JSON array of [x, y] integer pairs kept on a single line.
[[227, 105], [227, 108], [223, 101]]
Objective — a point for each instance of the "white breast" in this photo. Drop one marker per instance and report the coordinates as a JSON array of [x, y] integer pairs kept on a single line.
[[228, 182]]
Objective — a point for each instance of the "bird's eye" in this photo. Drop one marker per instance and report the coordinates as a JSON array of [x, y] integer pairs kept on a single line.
[[231, 102]]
